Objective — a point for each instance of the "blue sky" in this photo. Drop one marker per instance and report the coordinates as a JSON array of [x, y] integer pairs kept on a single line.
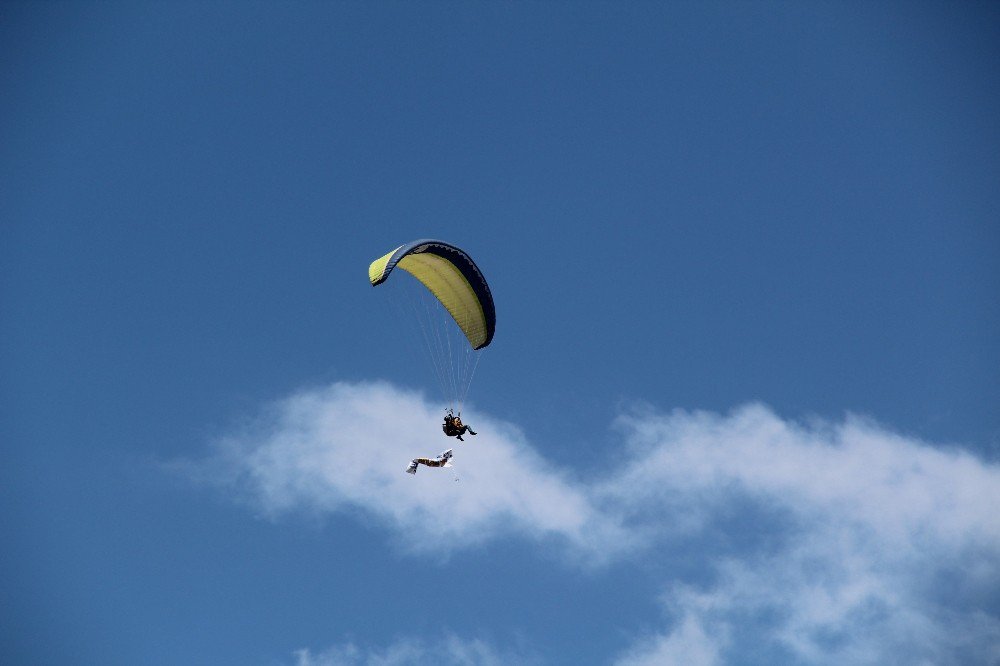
[[741, 406]]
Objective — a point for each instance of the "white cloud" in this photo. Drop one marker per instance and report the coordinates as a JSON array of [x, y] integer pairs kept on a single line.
[[816, 543], [687, 643], [865, 547], [449, 650], [346, 446]]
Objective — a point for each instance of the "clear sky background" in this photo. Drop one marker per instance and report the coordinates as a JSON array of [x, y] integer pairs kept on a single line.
[[742, 403]]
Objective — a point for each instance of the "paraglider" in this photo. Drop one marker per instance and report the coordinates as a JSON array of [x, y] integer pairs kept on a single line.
[[452, 305], [451, 302]]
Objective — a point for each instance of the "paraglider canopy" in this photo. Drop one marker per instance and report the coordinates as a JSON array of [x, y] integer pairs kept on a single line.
[[454, 279]]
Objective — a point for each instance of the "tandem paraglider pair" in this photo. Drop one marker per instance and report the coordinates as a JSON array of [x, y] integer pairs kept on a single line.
[[453, 427]]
